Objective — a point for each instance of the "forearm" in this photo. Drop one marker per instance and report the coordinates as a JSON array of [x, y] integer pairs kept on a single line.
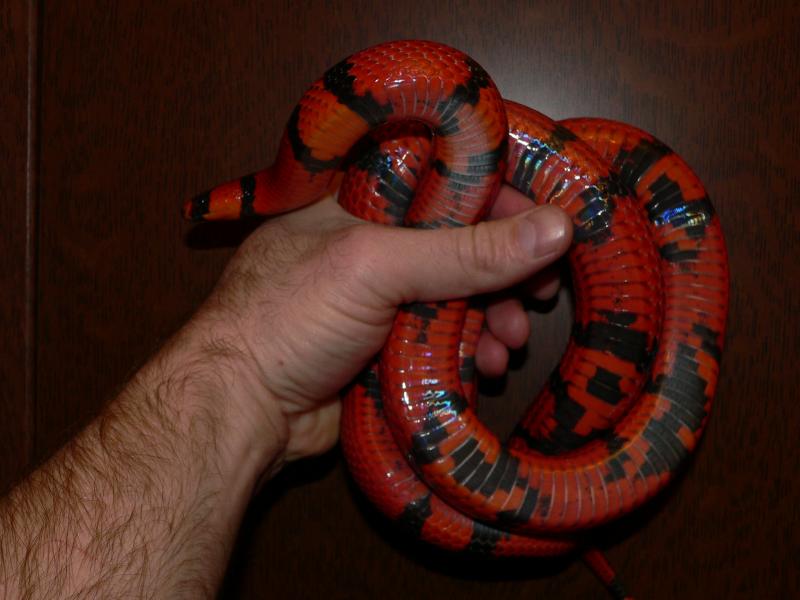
[[146, 501]]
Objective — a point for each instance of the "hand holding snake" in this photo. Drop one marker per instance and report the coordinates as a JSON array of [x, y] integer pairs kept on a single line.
[[631, 397]]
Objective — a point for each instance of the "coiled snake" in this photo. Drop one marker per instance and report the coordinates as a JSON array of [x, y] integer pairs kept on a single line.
[[631, 396]]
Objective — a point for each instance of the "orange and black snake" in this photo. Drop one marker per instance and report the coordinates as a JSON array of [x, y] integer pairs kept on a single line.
[[631, 396]]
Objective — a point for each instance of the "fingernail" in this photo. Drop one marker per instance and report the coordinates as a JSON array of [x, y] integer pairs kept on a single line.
[[542, 230]]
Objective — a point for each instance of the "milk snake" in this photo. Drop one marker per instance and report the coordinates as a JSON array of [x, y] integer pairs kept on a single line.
[[631, 396]]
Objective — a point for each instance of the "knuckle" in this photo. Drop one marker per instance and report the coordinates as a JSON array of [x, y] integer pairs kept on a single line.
[[479, 250], [350, 254], [350, 247]]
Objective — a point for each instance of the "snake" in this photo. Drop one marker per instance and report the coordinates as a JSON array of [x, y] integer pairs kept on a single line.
[[421, 137]]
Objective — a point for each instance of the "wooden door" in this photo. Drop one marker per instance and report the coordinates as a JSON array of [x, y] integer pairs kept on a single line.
[[116, 111]]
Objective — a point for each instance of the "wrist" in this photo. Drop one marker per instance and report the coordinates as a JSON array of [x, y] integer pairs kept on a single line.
[[205, 385]]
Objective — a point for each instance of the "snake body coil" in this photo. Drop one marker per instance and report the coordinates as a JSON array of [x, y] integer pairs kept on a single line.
[[631, 396]]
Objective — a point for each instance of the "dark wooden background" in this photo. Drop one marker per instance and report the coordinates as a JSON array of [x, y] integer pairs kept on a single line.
[[115, 111]]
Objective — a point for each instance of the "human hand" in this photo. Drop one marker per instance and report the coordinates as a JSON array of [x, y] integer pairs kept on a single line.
[[250, 383], [310, 298]]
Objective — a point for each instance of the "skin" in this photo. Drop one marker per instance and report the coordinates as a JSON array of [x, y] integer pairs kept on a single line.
[[147, 500]]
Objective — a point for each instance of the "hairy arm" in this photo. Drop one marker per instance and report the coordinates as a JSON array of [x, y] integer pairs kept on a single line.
[[146, 501]]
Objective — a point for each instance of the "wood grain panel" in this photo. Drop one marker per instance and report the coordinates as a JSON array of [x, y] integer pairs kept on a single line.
[[147, 104], [18, 30]]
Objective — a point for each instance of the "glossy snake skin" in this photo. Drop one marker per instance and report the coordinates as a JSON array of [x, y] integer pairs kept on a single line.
[[631, 396]]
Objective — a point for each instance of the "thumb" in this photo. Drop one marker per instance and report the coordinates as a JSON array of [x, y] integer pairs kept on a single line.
[[432, 265]]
